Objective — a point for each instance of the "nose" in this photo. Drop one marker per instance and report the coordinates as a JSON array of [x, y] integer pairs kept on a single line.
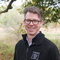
[[31, 23]]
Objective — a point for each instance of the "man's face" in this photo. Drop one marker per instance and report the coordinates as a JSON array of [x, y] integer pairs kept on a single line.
[[31, 28]]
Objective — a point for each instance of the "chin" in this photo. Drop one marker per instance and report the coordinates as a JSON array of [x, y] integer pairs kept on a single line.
[[31, 33]]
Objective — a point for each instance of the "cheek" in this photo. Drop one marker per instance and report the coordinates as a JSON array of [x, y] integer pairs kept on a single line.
[[24, 25], [40, 25]]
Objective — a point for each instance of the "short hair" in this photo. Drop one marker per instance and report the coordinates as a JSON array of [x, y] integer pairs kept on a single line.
[[34, 9]]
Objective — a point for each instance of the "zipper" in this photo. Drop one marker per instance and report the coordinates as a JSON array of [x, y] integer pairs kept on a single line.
[[26, 53]]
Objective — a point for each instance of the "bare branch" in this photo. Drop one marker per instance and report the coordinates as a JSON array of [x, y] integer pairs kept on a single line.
[[8, 7]]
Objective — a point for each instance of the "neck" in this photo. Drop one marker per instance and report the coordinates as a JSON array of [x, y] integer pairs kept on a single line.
[[30, 37]]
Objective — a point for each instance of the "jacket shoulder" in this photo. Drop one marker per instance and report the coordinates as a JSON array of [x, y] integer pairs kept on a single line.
[[19, 43], [48, 43]]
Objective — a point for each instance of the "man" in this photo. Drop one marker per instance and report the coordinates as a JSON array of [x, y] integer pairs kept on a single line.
[[34, 45]]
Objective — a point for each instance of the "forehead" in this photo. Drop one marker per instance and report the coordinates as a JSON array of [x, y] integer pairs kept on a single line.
[[30, 15]]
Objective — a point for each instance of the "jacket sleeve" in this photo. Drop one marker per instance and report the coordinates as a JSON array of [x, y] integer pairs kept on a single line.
[[53, 53]]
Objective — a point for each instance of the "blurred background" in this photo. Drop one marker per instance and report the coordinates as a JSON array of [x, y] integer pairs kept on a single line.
[[11, 23]]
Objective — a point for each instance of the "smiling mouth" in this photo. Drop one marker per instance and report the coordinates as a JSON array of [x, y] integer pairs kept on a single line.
[[31, 29]]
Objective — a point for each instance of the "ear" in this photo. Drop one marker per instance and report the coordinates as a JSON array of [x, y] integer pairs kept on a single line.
[[42, 22]]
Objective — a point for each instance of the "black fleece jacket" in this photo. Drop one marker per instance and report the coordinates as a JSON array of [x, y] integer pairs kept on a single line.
[[41, 49]]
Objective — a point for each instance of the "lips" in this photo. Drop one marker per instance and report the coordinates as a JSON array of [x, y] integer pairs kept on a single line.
[[31, 29]]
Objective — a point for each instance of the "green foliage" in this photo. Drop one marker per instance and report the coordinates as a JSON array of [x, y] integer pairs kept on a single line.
[[21, 29], [51, 14]]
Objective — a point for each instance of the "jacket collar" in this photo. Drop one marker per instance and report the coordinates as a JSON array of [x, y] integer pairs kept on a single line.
[[37, 40]]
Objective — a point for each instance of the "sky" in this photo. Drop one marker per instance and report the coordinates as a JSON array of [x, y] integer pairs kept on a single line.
[[17, 3]]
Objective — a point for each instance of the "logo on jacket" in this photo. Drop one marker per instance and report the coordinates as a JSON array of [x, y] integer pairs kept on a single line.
[[35, 55]]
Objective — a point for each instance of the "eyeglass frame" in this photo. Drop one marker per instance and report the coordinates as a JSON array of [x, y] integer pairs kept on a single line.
[[33, 21]]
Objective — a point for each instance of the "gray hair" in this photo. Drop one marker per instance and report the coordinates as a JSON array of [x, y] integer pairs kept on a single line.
[[34, 9]]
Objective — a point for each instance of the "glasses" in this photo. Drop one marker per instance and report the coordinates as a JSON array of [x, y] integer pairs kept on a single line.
[[28, 21]]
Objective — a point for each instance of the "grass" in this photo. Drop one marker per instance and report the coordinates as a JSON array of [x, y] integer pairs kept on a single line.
[[6, 52]]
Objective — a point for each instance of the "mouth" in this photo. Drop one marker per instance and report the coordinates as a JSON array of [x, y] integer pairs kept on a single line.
[[31, 29]]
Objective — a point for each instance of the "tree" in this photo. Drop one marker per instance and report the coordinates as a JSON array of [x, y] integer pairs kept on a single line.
[[50, 8], [8, 7]]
